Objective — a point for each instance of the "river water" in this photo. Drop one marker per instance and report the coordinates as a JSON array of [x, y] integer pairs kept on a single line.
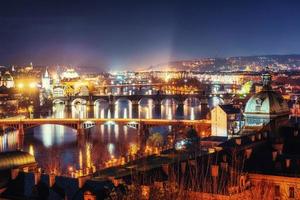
[[57, 148]]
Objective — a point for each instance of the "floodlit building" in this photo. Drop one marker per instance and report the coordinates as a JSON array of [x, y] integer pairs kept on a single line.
[[225, 120], [266, 106], [58, 91], [69, 74], [7, 80]]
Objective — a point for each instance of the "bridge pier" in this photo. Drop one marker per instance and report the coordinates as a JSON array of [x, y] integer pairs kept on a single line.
[[157, 108], [143, 135], [180, 109], [80, 129], [111, 110], [204, 109], [21, 129], [135, 108]]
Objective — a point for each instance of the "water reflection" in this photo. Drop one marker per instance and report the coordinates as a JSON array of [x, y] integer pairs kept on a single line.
[[124, 109], [58, 148]]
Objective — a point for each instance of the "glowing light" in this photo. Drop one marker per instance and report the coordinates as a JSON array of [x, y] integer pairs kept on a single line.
[[80, 159], [88, 156], [20, 85], [169, 113], [133, 149], [111, 149], [246, 88], [32, 85], [192, 113], [31, 150], [125, 113]]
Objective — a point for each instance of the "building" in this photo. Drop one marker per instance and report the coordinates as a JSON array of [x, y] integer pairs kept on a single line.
[[58, 91], [225, 120], [46, 81], [7, 80], [11, 163], [69, 74], [266, 106]]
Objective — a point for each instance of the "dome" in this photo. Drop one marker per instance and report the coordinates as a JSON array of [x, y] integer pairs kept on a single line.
[[267, 102], [13, 159], [265, 105]]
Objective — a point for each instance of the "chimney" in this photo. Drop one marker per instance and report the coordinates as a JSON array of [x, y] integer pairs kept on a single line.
[[165, 168], [14, 173], [238, 141], [51, 180], [274, 155], [248, 152], [214, 173], [214, 170], [259, 136], [37, 177], [287, 163], [252, 137]]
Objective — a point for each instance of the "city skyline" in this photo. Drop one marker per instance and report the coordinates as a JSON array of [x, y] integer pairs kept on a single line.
[[123, 35]]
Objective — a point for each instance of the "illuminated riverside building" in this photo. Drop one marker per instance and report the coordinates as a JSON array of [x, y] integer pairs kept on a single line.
[[227, 78], [7, 80]]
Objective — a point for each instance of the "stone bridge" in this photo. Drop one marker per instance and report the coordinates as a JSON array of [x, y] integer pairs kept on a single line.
[[135, 100], [81, 124]]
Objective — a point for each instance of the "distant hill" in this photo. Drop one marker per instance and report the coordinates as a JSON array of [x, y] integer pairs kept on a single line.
[[238, 63]]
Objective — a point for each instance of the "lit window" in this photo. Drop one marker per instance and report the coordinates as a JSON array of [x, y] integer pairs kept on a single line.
[[277, 190], [291, 192]]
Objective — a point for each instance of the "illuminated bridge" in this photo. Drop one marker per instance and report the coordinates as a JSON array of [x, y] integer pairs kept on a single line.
[[81, 124], [110, 100]]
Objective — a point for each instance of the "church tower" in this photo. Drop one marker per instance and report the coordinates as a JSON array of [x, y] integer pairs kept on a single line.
[[46, 81]]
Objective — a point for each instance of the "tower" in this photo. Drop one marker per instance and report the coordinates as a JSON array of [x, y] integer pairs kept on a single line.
[[46, 81]]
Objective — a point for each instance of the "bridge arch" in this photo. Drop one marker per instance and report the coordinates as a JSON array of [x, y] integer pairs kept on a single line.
[[98, 102], [171, 100], [58, 101], [146, 100], [79, 101], [192, 101], [123, 99]]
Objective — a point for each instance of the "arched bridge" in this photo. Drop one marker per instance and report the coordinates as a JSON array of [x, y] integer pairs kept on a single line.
[[135, 99], [81, 124]]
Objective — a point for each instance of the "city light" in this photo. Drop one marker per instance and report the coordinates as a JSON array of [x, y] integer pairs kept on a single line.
[[150, 100], [20, 85]]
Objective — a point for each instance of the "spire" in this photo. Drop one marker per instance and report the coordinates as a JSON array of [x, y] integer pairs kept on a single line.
[[266, 79], [46, 75]]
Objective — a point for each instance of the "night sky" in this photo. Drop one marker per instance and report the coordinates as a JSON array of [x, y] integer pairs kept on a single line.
[[120, 34]]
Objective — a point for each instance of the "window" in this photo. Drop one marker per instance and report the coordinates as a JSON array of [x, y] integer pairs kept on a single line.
[[291, 192], [277, 190], [257, 108]]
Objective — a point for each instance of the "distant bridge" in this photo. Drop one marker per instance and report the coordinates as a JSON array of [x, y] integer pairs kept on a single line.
[[81, 124]]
